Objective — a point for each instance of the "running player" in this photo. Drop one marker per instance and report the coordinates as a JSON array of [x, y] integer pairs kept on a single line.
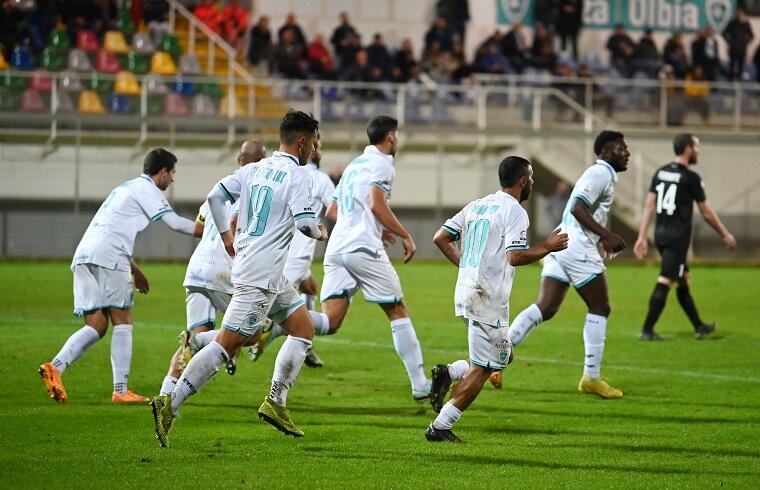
[[674, 189], [103, 269], [275, 199], [581, 264], [491, 226]]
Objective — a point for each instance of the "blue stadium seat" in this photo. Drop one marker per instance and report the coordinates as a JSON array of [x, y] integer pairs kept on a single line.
[[22, 58], [118, 104]]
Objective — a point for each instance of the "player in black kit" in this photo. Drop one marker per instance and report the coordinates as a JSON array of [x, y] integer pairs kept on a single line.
[[673, 191]]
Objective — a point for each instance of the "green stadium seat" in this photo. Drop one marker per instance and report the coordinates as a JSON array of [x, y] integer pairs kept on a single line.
[[155, 105], [170, 44], [125, 25], [99, 84], [8, 101], [13, 83], [58, 40], [53, 60], [137, 63], [211, 88]]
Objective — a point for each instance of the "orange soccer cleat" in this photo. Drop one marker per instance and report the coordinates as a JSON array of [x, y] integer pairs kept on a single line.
[[52, 379], [128, 397]]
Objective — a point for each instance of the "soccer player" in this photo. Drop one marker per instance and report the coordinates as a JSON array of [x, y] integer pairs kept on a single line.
[[103, 269], [275, 200], [491, 226], [674, 189], [581, 264], [208, 287], [355, 257]]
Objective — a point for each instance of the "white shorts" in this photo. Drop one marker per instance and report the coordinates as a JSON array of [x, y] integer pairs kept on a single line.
[[489, 345], [297, 270], [98, 288], [203, 305], [576, 267], [372, 272], [250, 306]]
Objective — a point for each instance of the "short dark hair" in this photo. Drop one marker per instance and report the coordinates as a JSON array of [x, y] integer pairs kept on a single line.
[[511, 169], [295, 124], [604, 138], [379, 127], [681, 142], [158, 159]]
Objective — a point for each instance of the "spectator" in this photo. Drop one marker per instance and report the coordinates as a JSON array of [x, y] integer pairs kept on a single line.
[[321, 63], [542, 52], [405, 61], [459, 69], [515, 47], [342, 35], [378, 55], [260, 47], [361, 71], [86, 14], [675, 102], [569, 21], [292, 26], [704, 52], [697, 91], [674, 55], [288, 57], [439, 32], [738, 35], [208, 13], [156, 18], [622, 50], [601, 96], [647, 58], [457, 14], [233, 21], [348, 55], [545, 12]]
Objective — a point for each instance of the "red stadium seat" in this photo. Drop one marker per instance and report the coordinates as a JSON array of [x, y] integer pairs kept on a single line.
[[87, 41], [31, 101]]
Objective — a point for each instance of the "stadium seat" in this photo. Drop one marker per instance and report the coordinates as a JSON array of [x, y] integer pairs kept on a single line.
[[114, 42], [224, 107], [142, 43], [154, 85], [126, 84], [170, 44], [87, 41], [90, 103], [21, 58], [8, 101], [125, 25], [78, 61], [162, 64], [65, 105], [155, 105], [58, 40], [31, 101], [183, 87], [3, 63], [211, 88], [136, 63], [106, 62], [203, 105], [188, 65], [13, 83], [53, 60], [41, 81], [118, 104], [70, 82], [174, 105], [99, 84]]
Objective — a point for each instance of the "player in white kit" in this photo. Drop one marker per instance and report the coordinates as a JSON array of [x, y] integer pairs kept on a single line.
[[493, 230], [581, 265], [103, 270], [275, 201]]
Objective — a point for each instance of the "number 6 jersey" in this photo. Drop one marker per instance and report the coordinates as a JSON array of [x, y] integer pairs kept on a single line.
[[675, 188]]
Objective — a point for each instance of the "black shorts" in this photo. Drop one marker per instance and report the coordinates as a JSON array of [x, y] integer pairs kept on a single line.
[[673, 264]]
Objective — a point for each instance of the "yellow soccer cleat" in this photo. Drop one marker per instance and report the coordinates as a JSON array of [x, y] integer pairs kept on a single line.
[[186, 353], [163, 417], [52, 379], [279, 417], [495, 379], [128, 397], [598, 387]]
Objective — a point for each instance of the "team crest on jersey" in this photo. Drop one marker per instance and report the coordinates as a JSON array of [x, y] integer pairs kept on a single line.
[[503, 347], [515, 10], [252, 319], [718, 13]]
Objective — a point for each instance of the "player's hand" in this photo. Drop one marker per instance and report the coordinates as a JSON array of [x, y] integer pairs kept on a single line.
[[389, 239], [323, 233], [640, 248], [556, 241], [729, 241], [141, 282], [409, 248], [613, 244]]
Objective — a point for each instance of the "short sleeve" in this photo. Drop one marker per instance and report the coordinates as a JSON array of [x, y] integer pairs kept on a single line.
[[154, 204], [231, 185], [697, 188], [653, 184], [454, 225], [382, 177], [516, 235], [592, 188], [299, 201]]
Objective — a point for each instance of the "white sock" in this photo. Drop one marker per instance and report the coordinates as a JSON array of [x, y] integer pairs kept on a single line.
[[202, 339], [121, 356], [321, 323], [447, 418], [75, 346], [287, 366], [593, 340], [168, 385], [457, 369], [408, 349], [524, 323], [199, 370], [309, 299]]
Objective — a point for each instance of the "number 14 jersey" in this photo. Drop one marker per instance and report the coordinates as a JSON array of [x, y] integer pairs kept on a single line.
[[676, 188]]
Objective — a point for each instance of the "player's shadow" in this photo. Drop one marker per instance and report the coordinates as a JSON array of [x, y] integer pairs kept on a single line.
[[530, 431], [695, 451], [394, 412]]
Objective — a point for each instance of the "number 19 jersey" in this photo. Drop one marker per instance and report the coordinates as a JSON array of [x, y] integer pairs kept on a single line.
[[489, 227], [676, 188]]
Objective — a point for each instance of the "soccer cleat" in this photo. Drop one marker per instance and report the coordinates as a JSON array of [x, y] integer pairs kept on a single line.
[[163, 417], [438, 435], [651, 336], [231, 365], [312, 359], [598, 387], [52, 379], [705, 329], [495, 379], [128, 397], [424, 394], [185, 342], [441, 382], [258, 348], [278, 417]]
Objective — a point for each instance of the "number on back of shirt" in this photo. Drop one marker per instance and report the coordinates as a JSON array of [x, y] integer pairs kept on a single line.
[[474, 243], [666, 198], [347, 190], [258, 209]]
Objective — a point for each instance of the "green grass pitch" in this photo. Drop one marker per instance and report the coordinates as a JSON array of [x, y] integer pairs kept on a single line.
[[690, 416]]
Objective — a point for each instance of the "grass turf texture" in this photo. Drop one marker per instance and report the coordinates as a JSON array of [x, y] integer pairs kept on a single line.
[[690, 416]]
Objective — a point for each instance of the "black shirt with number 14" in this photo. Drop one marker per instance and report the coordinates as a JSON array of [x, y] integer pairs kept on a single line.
[[676, 188]]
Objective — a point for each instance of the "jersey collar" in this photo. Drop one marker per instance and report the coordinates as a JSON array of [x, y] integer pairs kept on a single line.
[[372, 150], [608, 167], [282, 154], [506, 195], [312, 165], [147, 177]]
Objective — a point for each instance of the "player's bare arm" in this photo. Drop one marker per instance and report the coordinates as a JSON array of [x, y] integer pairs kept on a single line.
[[446, 243], [610, 241], [199, 224], [555, 242], [332, 212], [383, 213], [641, 247], [141, 282], [709, 214]]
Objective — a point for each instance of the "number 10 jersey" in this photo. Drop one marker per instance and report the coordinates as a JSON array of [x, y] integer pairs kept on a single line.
[[676, 188]]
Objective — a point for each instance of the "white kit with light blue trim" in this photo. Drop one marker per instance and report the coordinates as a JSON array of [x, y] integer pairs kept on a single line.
[[210, 265]]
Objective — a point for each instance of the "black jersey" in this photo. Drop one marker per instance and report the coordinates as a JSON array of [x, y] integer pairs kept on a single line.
[[676, 188]]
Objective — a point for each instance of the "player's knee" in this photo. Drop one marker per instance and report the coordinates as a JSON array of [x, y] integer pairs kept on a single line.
[[548, 311], [602, 309]]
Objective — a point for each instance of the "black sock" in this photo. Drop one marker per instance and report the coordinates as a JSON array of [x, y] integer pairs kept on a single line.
[[687, 303], [656, 304]]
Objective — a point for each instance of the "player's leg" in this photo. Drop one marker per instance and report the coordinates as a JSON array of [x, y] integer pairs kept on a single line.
[[701, 328], [338, 287], [669, 273], [121, 356], [309, 290], [442, 376]]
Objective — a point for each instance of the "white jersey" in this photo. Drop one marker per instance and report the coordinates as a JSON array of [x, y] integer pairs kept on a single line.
[[303, 247], [490, 227], [596, 188], [110, 238], [274, 194], [210, 265], [357, 227]]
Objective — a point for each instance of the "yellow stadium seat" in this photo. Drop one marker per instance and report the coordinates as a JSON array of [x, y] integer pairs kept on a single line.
[[3, 63], [224, 107], [90, 103], [126, 83], [162, 64], [115, 43]]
